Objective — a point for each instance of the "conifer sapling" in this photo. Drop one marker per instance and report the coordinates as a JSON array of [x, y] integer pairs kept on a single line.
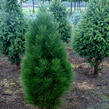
[[12, 32], [46, 72], [91, 37], [60, 16]]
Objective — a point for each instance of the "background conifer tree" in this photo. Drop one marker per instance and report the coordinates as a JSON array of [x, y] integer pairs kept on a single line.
[[12, 32], [46, 72], [60, 15], [91, 37]]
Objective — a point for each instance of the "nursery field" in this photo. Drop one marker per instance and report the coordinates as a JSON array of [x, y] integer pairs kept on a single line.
[[54, 56], [86, 92]]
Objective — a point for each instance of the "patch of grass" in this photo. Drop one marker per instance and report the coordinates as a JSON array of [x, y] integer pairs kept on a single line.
[[74, 66], [104, 97]]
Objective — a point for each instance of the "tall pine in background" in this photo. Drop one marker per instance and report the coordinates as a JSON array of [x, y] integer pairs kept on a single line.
[[12, 32], [91, 37], [46, 72], [60, 15]]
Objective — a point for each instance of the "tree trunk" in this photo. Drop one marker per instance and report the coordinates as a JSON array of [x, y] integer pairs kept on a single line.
[[96, 67], [74, 5], [71, 8], [43, 1], [33, 7], [49, 2], [21, 3], [79, 5], [85, 5]]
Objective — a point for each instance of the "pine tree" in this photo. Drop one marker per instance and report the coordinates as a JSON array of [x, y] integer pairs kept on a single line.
[[46, 72], [91, 37], [12, 32], [60, 16]]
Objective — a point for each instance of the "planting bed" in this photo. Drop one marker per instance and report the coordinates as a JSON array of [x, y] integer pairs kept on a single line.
[[86, 92]]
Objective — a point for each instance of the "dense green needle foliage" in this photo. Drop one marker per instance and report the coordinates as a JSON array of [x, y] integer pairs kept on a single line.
[[60, 16], [12, 31], [46, 72], [91, 37]]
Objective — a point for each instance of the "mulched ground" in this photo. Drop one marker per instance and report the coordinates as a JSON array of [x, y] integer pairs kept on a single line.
[[86, 92]]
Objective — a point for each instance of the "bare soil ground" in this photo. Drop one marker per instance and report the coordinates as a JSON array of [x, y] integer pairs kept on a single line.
[[86, 92]]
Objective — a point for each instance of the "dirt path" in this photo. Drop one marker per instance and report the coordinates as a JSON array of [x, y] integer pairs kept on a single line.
[[86, 92]]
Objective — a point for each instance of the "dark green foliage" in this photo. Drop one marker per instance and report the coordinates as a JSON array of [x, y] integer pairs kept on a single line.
[[0, 11], [46, 72], [91, 37], [12, 32], [60, 16]]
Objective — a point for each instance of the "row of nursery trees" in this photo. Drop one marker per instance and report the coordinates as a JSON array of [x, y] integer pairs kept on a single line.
[[46, 72], [21, 1], [13, 27], [76, 3]]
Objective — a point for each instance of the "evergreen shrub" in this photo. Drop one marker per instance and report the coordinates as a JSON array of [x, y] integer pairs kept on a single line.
[[12, 32], [46, 72], [60, 16], [91, 37]]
